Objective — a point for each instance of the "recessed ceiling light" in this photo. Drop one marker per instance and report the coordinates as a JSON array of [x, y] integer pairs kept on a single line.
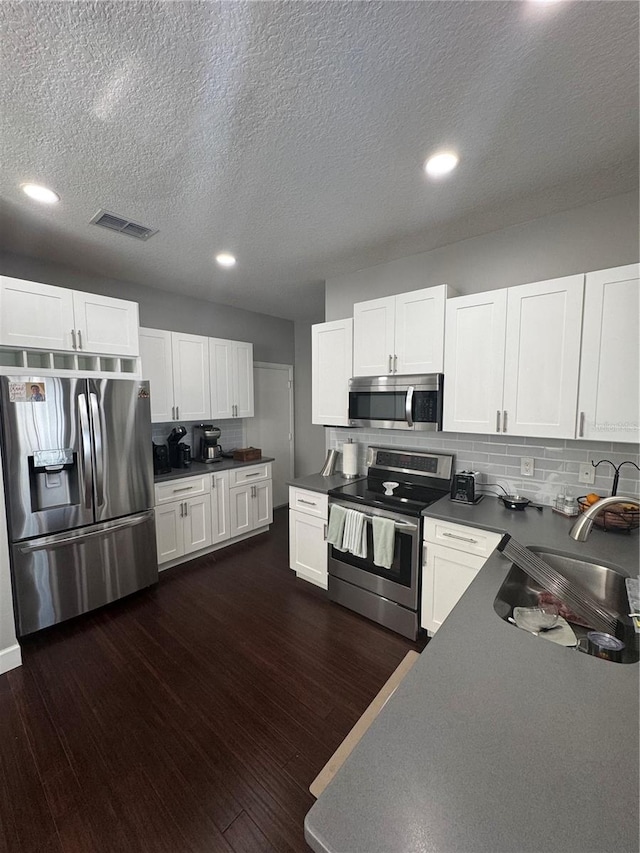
[[40, 193], [225, 259], [441, 164]]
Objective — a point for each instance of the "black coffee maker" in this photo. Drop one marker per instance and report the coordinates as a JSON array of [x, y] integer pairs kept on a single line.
[[161, 459], [173, 441]]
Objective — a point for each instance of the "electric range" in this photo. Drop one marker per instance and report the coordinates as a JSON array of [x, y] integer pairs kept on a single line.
[[399, 485]]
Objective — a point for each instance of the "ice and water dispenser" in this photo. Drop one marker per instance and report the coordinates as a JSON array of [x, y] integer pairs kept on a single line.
[[53, 476]]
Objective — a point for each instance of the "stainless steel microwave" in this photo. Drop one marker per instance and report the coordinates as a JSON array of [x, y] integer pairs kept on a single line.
[[397, 402]]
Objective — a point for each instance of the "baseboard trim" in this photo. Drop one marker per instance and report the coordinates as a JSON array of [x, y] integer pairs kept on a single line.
[[187, 557], [10, 658]]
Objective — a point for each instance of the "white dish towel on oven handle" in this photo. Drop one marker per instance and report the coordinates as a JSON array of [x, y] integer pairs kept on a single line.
[[384, 540], [354, 539]]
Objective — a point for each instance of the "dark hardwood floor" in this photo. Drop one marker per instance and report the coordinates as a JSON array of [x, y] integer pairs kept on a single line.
[[190, 717]]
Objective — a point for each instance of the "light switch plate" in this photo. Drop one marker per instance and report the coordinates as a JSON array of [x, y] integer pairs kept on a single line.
[[526, 466], [587, 474]]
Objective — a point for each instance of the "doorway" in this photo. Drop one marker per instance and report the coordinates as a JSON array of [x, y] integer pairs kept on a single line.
[[271, 428]]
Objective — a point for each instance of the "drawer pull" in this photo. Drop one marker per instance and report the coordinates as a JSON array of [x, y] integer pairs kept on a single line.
[[184, 489], [308, 503], [256, 474], [461, 538]]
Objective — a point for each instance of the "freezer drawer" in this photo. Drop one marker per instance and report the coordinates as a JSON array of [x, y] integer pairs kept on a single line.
[[57, 577]]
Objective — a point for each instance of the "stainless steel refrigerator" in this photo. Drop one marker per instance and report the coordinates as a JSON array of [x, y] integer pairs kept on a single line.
[[78, 475]]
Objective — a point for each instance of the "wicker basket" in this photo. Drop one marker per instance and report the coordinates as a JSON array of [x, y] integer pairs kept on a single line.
[[615, 517]]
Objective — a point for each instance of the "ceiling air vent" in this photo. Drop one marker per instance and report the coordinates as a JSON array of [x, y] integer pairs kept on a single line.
[[122, 225]]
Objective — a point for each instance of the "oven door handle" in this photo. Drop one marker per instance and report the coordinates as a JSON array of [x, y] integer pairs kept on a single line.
[[408, 405], [406, 525]]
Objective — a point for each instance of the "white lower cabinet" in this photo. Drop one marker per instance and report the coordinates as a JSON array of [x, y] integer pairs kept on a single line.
[[447, 570], [194, 514], [308, 514], [220, 521], [197, 523], [169, 532], [182, 527], [250, 498]]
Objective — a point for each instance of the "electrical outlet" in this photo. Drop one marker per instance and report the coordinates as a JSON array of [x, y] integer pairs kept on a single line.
[[526, 466], [587, 474]]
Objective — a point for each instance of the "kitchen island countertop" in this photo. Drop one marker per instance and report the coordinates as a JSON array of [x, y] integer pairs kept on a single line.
[[198, 468], [497, 740]]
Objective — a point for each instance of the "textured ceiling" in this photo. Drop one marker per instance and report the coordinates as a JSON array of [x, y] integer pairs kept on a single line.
[[292, 134]]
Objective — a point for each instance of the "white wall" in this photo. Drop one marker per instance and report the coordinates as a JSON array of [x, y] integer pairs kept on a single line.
[[9, 648], [596, 236], [272, 337], [309, 439]]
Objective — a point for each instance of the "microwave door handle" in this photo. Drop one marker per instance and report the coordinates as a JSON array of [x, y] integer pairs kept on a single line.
[[408, 405], [85, 440], [99, 446]]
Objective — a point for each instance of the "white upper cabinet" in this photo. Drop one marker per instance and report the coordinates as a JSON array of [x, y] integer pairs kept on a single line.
[[331, 369], [190, 355], [400, 334], [243, 378], [194, 378], [54, 318], [157, 367], [374, 336], [35, 315], [231, 369], [512, 359], [542, 357], [474, 362], [222, 398], [177, 367], [608, 401], [419, 331], [105, 325]]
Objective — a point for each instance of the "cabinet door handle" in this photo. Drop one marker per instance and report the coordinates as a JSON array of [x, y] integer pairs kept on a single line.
[[504, 421], [79, 339], [177, 413], [173, 413], [581, 427], [498, 420], [181, 510], [186, 508], [308, 503], [390, 360], [73, 338], [461, 538], [395, 364], [184, 489], [213, 481], [324, 532]]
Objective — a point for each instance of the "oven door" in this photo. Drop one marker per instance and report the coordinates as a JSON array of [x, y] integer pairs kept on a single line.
[[398, 583]]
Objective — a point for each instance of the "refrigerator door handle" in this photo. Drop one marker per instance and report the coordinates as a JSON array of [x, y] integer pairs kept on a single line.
[[85, 432], [97, 437], [48, 542]]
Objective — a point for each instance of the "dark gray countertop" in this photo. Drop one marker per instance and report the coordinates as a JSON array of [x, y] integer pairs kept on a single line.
[[197, 468], [497, 740], [318, 483]]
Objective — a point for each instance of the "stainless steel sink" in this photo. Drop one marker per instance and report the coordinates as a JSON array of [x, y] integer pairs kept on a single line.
[[603, 583]]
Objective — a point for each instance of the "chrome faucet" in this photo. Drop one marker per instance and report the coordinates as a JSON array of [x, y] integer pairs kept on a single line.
[[583, 525]]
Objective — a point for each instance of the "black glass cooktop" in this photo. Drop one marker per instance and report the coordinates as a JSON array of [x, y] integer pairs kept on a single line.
[[406, 498]]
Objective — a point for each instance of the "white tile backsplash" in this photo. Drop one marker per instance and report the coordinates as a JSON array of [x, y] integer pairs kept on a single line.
[[232, 433], [556, 461]]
